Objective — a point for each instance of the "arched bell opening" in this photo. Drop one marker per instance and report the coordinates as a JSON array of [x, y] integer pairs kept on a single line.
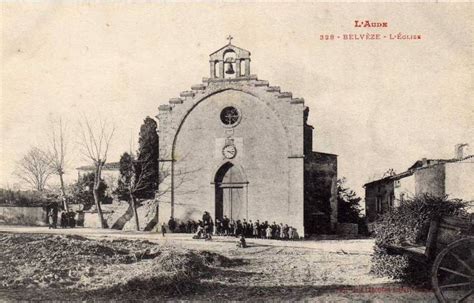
[[230, 65], [231, 189]]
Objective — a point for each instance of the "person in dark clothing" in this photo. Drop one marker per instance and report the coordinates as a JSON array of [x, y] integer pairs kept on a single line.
[[231, 227], [218, 227], [225, 225], [242, 243], [238, 228], [286, 229], [171, 224], [206, 218], [207, 222], [63, 220], [249, 230], [256, 229], [274, 230], [189, 227], [72, 220], [163, 229], [263, 230]]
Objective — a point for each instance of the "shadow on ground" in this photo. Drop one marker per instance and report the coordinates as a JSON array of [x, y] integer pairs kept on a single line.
[[389, 292]]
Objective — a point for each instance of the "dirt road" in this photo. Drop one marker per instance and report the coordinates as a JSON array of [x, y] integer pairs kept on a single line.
[[329, 270]]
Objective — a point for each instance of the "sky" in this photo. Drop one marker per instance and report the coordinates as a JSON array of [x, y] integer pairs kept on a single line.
[[377, 104]]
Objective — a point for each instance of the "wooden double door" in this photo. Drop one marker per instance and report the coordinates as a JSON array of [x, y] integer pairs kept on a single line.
[[231, 193], [230, 202]]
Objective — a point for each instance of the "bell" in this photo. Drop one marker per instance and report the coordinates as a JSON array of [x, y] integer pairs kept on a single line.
[[230, 69]]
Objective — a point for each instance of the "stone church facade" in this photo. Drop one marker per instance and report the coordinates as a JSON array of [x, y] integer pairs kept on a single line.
[[236, 146]]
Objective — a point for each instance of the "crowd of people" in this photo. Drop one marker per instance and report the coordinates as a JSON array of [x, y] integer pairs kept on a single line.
[[66, 219], [228, 227]]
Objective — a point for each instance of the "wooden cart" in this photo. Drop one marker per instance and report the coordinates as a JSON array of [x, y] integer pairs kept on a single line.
[[450, 251]]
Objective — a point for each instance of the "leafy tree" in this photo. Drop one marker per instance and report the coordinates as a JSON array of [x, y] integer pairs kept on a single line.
[[139, 178], [83, 190], [348, 203], [123, 185], [146, 170]]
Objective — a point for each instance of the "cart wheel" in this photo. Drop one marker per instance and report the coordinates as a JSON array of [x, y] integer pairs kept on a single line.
[[452, 276]]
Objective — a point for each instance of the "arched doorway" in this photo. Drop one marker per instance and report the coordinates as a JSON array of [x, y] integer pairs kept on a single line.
[[231, 192]]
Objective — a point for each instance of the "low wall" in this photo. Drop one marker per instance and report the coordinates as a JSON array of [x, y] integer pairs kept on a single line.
[[18, 215]]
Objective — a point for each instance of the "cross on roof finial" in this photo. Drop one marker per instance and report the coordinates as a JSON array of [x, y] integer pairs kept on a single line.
[[230, 38]]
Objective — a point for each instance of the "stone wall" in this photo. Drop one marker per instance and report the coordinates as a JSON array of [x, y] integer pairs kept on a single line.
[[460, 180], [404, 188], [13, 215], [320, 193], [383, 190], [269, 142], [430, 180]]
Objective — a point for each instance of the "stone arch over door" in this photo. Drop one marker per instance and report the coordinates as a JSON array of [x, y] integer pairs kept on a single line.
[[231, 189]]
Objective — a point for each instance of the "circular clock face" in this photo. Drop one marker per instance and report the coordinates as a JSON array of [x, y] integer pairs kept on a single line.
[[229, 151]]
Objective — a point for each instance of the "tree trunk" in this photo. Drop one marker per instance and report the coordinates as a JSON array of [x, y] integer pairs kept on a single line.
[[99, 208], [63, 191], [135, 213], [95, 191]]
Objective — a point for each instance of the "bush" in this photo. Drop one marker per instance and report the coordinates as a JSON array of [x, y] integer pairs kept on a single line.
[[81, 192], [27, 198], [409, 223]]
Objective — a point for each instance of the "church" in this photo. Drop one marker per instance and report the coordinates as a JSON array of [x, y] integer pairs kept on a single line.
[[235, 146]]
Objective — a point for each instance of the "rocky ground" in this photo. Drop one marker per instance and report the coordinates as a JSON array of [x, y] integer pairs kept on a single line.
[[72, 267]]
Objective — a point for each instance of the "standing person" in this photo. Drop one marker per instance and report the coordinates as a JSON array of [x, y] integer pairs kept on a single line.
[[263, 229], [282, 231], [238, 228], [189, 227], [256, 226], [63, 219], [172, 224], [274, 230], [225, 224], [249, 230], [290, 233], [269, 232], [296, 236], [206, 218], [232, 227], [285, 232], [51, 219], [218, 227], [163, 229]]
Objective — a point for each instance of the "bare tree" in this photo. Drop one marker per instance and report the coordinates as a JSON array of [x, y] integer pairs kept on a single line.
[[95, 147], [139, 181], [57, 152], [35, 169]]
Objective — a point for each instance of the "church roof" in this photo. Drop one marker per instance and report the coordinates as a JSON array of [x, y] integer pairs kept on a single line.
[[241, 53]]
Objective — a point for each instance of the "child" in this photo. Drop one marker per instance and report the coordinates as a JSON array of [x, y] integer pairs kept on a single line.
[[242, 243], [163, 229]]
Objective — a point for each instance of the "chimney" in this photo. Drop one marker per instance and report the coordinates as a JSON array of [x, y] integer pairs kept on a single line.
[[425, 162], [459, 151]]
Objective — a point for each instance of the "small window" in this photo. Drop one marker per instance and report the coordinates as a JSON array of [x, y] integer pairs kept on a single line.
[[230, 116]]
